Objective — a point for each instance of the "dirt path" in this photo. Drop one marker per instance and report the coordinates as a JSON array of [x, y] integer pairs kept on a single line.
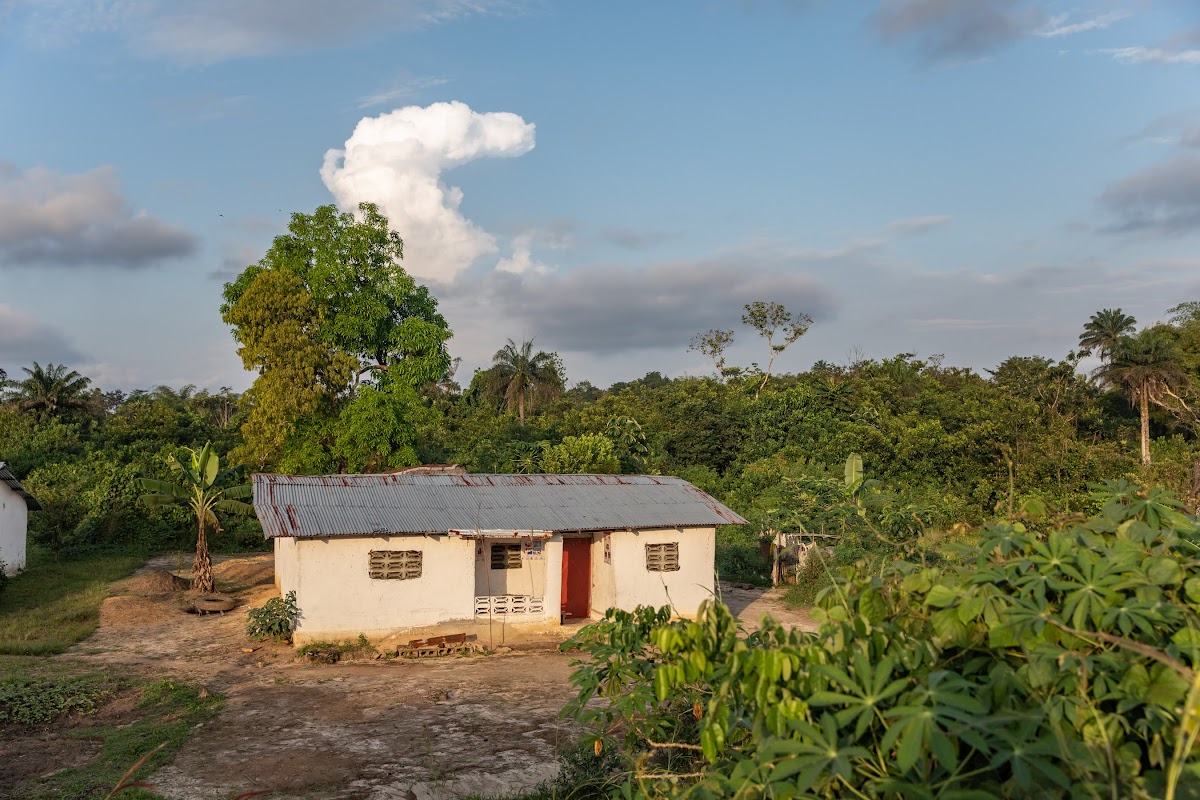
[[749, 605], [418, 730]]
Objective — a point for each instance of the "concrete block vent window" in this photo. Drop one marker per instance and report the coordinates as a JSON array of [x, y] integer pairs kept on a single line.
[[662, 557], [395, 565], [506, 556]]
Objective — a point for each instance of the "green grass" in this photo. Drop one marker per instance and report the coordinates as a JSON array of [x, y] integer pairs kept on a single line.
[[170, 711], [54, 604]]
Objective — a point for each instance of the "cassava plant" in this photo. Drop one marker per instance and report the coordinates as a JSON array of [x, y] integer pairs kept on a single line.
[[1056, 660]]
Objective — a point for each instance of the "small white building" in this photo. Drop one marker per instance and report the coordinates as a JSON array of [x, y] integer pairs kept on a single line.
[[15, 505], [394, 553]]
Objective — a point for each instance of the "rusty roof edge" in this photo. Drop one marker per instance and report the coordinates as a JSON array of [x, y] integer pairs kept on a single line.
[[7, 477]]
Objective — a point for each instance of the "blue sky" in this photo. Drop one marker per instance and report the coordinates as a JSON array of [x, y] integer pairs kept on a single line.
[[970, 178]]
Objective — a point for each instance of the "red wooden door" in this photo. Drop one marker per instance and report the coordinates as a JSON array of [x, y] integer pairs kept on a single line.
[[576, 577]]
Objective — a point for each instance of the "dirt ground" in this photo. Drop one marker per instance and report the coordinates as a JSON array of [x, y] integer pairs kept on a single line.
[[427, 729]]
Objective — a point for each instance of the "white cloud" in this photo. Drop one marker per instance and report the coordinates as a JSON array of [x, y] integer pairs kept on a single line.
[[47, 217], [1156, 55], [396, 160], [403, 88], [1059, 25], [522, 262], [913, 225], [209, 31], [25, 339]]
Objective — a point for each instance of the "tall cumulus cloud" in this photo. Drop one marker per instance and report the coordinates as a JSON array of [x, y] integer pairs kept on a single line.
[[396, 160]]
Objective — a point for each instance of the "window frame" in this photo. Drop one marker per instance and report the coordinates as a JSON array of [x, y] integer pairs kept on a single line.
[[512, 559], [389, 571], [662, 556]]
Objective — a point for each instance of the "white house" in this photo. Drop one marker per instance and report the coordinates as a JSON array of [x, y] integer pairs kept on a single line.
[[15, 505], [383, 554]]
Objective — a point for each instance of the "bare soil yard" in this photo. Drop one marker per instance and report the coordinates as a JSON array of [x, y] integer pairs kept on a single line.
[[411, 729]]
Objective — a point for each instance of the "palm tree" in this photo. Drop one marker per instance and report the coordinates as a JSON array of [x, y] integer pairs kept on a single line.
[[1105, 329], [198, 491], [522, 376], [51, 389], [1147, 367]]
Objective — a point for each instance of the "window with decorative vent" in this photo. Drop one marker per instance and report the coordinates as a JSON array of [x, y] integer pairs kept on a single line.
[[662, 557], [506, 556], [395, 565]]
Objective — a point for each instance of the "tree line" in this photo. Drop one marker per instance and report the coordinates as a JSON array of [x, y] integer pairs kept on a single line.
[[354, 374]]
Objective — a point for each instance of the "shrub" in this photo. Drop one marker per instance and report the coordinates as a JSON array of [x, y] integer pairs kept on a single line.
[[277, 618], [3, 576], [1055, 662]]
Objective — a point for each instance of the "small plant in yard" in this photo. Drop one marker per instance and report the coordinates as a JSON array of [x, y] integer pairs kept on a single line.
[[277, 618], [3, 576], [33, 701], [332, 652]]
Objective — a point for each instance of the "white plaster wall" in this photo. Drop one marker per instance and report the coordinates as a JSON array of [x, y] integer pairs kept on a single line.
[[553, 605], [14, 518], [287, 565], [684, 589], [338, 599], [604, 584]]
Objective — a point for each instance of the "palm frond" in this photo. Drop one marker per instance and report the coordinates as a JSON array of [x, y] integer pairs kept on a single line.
[[234, 507], [159, 500], [242, 492], [163, 487]]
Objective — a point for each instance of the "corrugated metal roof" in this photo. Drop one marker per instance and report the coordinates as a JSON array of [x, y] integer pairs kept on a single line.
[[7, 477], [347, 505]]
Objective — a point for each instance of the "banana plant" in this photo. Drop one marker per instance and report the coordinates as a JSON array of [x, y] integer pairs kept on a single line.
[[197, 489]]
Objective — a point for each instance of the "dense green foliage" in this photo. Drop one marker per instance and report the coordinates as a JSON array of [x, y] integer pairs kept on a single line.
[[354, 375], [329, 309], [36, 700], [1055, 659], [276, 618]]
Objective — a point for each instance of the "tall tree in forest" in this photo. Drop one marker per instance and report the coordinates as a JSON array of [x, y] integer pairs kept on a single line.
[[327, 308], [1147, 368], [51, 390], [523, 377], [198, 489], [713, 344], [771, 320], [1104, 330]]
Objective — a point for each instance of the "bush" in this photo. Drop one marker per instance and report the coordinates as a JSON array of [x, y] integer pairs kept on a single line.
[[277, 618], [3, 576], [1055, 662]]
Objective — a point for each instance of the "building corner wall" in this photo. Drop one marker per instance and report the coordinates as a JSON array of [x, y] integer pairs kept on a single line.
[[14, 521], [684, 589]]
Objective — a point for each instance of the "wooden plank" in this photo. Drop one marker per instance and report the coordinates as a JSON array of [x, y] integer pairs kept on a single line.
[[434, 641]]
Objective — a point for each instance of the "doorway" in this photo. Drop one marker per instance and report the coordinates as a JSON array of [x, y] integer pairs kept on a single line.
[[576, 577]]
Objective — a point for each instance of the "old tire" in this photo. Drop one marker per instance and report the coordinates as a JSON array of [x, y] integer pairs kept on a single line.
[[213, 603]]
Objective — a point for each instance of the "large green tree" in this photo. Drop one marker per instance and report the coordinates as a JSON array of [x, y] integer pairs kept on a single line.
[[1147, 367], [523, 376], [51, 390], [1105, 329], [327, 312], [771, 320]]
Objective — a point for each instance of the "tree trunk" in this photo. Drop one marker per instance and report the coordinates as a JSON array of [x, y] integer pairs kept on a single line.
[[202, 574], [521, 408], [1144, 401]]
